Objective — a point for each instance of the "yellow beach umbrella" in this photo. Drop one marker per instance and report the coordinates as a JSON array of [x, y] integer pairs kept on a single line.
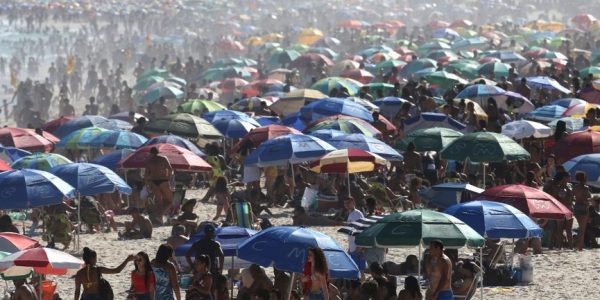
[[346, 161], [309, 36]]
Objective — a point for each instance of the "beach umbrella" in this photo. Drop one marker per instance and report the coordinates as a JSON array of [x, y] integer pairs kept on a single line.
[[306, 60], [25, 139], [577, 143], [341, 140], [429, 120], [444, 79], [385, 88], [334, 106], [45, 261], [345, 124], [91, 179], [145, 82], [268, 120], [588, 163], [593, 70], [288, 149], [51, 126], [124, 116], [167, 92], [258, 135], [473, 43], [429, 139], [323, 50], [251, 104], [544, 82], [80, 139], [10, 154], [515, 102], [390, 106], [417, 65], [361, 75], [184, 125], [583, 20], [229, 115], [464, 68], [447, 194], [282, 57], [233, 128], [479, 91], [84, 122], [180, 158], [346, 161], [579, 110], [419, 227], [484, 147], [428, 47], [4, 166], [389, 65], [309, 36], [494, 220], [257, 87], [507, 56], [13, 242], [572, 124], [531, 201], [326, 85], [590, 94], [27, 188], [116, 139], [232, 84], [363, 102], [292, 244], [546, 113], [494, 70], [294, 120], [294, 100], [177, 141], [524, 129], [40, 161], [567, 102], [111, 159]]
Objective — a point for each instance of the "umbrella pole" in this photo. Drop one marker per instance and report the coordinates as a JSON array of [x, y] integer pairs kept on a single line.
[[78, 221], [483, 175], [349, 185], [126, 196], [292, 184], [289, 293], [481, 271], [420, 259], [231, 278]]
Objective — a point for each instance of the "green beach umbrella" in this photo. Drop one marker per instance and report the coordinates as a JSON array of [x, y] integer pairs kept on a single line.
[[184, 125], [325, 85], [429, 139], [325, 51], [201, 106], [595, 71], [388, 65], [465, 67], [484, 147], [40, 161], [145, 82], [76, 139], [385, 88], [419, 227], [444, 79], [299, 47], [432, 46], [494, 70], [167, 92], [281, 57]]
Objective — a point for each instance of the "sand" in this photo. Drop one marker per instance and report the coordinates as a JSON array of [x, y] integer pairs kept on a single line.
[[557, 274]]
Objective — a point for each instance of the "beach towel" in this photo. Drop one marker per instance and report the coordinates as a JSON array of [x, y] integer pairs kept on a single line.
[[242, 214]]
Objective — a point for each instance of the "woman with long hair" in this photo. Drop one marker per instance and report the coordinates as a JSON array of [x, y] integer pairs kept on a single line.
[[411, 291], [200, 288], [142, 278], [582, 204], [165, 274], [318, 281], [89, 276], [222, 195]]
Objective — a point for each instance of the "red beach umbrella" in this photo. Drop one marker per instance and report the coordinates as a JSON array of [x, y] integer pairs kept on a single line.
[[577, 143], [27, 139], [180, 158], [258, 135], [51, 126]]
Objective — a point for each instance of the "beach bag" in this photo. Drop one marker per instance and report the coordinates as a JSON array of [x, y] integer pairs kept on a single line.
[[106, 291]]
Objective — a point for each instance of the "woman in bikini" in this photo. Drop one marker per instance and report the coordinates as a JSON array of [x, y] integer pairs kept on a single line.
[[223, 197], [581, 207], [318, 279], [89, 275]]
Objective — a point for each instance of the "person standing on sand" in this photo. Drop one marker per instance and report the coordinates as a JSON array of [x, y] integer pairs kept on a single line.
[[165, 274], [89, 275], [439, 270], [157, 175], [209, 247]]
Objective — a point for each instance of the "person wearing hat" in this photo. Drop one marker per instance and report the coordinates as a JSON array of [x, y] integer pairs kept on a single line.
[[208, 246], [139, 228]]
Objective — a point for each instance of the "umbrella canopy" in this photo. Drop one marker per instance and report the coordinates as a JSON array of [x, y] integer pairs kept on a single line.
[[111, 159], [40, 161], [307, 59], [419, 227], [494, 70], [480, 90], [524, 129], [444, 79], [572, 124], [430, 139], [26, 188], [429, 120], [201, 106], [334, 106], [12, 242], [531, 201], [25, 139], [252, 104], [177, 141], [579, 110], [228, 115], [4, 166], [567, 102], [591, 70], [577, 143], [588, 163], [229, 237], [495, 220], [258, 135], [125, 116], [341, 140], [544, 82], [180, 159], [145, 82], [282, 57], [51, 126], [294, 100], [390, 106], [81, 138], [233, 128], [417, 65], [117, 139], [507, 56], [185, 125], [10, 154], [292, 244], [447, 194], [345, 124], [84, 122], [43, 261], [547, 113], [326, 85], [349, 160], [91, 179], [291, 148], [484, 147]]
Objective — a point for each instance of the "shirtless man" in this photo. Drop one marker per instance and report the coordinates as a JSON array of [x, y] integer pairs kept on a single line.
[[23, 291], [412, 160], [157, 175], [139, 228], [439, 270]]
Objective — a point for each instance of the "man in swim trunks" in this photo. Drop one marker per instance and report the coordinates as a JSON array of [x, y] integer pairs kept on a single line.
[[157, 176], [439, 270]]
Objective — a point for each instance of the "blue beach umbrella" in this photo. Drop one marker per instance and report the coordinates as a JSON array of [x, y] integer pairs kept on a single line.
[[267, 120], [334, 106], [480, 90], [390, 106], [291, 148], [546, 113], [11, 154], [430, 120], [544, 82], [230, 115], [84, 122], [340, 140], [572, 124], [568, 102], [447, 194], [295, 121], [588, 163], [117, 139], [229, 237], [91, 179], [26, 188], [233, 128], [111, 159], [495, 220], [177, 141], [292, 244]]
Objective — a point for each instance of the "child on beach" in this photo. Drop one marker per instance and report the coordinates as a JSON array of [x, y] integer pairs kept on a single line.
[[222, 195]]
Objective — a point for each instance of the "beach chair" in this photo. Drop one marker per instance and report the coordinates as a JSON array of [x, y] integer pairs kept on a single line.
[[472, 289], [498, 255], [242, 214]]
